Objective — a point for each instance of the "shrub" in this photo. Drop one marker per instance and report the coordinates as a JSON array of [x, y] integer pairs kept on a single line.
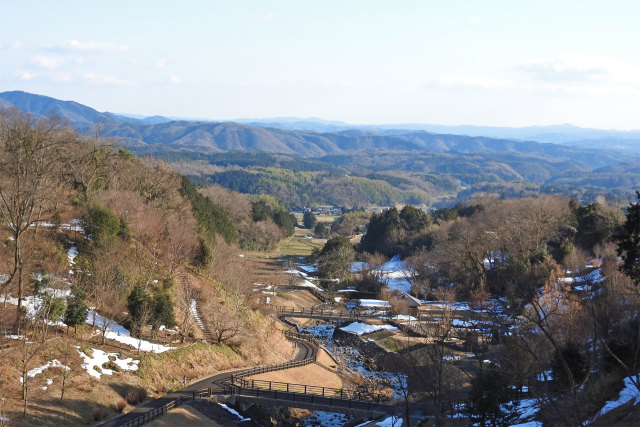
[[98, 413], [111, 365], [136, 395], [120, 405]]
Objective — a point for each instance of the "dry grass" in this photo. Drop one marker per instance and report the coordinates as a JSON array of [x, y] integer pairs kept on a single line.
[[326, 360], [312, 374], [295, 298], [88, 400], [185, 416]]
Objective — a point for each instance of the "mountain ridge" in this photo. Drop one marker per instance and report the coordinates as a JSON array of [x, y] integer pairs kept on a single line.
[[156, 134]]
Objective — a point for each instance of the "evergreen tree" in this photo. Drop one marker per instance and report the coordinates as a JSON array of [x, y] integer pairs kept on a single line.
[[283, 220], [163, 310], [629, 242], [487, 403], [321, 230], [76, 313], [209, 216], [309, 220], [336, 257], [138, 303], [570, 355], [102, 224]]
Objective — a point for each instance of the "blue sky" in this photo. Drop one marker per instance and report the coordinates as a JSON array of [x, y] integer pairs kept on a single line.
[[483, 62]]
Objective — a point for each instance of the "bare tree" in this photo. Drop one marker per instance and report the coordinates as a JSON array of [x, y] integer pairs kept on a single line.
[[432, 373], [30, 153], [224, 323]]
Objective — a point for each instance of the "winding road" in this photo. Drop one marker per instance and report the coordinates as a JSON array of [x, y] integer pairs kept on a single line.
[[216, 382]]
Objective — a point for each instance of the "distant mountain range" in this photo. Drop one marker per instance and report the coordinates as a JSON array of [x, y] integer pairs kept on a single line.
[[156, 133], [414, 162]]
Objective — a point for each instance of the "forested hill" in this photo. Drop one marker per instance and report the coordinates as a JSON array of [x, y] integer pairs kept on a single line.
[[159, 134]]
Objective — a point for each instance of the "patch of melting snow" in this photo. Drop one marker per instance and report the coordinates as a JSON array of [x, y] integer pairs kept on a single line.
[[121, 334], [14, 337], [99, 358], [391, 421], [360, 328], [307, 268], [55, 363], [374, 303], [629, 393], [234, 412], [307, 284], [327, 419]]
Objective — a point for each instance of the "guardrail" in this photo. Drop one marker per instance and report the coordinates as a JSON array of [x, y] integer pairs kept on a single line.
[[315, 399], [303, 389], [154, 413], [319, 312]]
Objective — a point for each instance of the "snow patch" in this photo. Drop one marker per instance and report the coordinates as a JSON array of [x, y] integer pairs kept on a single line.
[[374, 303], [628, 393], [391, 421], [234, 412], [99, 357], [360, 328], [55, 363], [121, 334]]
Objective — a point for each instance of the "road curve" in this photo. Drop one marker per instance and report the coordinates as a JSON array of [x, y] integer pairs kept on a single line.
[[216, 382]]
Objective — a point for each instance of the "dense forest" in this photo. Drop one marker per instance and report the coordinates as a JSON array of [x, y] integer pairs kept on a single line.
[[386, 178]]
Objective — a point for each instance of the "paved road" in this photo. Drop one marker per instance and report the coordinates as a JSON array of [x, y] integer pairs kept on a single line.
[[216, 382]]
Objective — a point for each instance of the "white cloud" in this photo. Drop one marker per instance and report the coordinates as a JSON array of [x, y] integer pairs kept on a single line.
[[474, 82], [24, 75], [250, 83], [269, 16], [582, 75], [105, 79], [175, 79], [564, 69], [47, 62], [161, 63], [79, 46], [61, 77], [475, 20]]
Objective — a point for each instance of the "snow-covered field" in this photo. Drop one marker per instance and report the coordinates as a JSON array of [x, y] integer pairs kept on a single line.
[[374, 303], [360, 328]]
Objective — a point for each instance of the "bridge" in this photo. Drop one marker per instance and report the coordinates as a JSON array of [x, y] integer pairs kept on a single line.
[[234, 386], [324, 313]]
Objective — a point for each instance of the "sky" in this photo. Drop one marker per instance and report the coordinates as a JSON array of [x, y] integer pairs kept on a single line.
[[480, 62]]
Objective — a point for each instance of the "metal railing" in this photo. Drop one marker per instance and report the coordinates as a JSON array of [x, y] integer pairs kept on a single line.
[[154, 413], [319, 312], [366, 404]]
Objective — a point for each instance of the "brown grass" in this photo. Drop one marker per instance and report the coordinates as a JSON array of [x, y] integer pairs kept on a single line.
[[308, 375], [326, 360], [185, 416], [295, 298]]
